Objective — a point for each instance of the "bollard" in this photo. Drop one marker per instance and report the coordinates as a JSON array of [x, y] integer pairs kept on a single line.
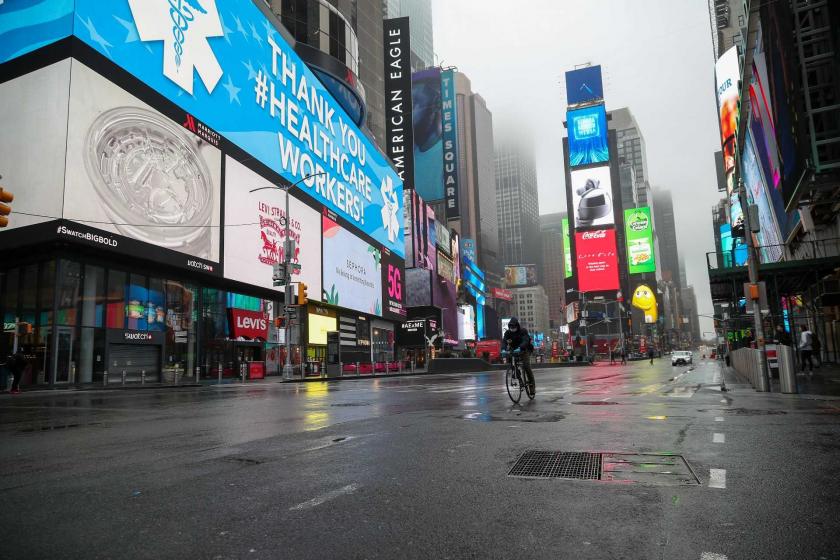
[[123, 377], [105, 378], [787, 369], [177, 378], [399, 366], [143, 377], [386, 368], [358, 371], [196, 374], [412, 366], [341, 369], [220, 373]]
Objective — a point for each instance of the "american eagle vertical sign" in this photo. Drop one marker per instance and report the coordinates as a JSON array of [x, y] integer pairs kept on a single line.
[[398, 105]]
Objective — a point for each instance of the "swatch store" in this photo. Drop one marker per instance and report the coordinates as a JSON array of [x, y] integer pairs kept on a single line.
[[137, 246]]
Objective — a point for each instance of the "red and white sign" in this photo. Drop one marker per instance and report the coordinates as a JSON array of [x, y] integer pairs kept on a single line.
[[502, 294], [597, 260], [248, 324]]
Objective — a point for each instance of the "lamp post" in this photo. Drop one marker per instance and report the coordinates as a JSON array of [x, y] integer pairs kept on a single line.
[[288, 250]]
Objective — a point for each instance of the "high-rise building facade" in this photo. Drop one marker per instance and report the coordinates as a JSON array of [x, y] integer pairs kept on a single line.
[[530, 306], [666, 234], [478, 218], [341, 41], [728, 24], [553, 260], [421, 31], [517, 200]]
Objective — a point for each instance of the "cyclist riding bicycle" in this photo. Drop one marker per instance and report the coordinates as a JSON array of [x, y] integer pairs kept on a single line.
[[518, 341]]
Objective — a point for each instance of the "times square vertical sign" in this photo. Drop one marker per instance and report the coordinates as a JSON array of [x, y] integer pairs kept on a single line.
[[450, 143]]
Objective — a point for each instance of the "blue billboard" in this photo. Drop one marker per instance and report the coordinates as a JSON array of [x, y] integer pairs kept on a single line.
[[587, 135], [427, 120], [584, 85], [224, 62]]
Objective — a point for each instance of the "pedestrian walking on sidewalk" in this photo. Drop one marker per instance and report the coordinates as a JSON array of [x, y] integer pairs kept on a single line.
[[806, 348], [623, 355], [16, 364], [612, 355], [651, 353]]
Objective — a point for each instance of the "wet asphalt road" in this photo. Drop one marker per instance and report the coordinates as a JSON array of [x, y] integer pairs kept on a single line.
[[417, 467]]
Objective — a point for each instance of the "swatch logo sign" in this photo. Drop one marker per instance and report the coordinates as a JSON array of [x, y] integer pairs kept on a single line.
[[138, 336], [597, 234], [184, 27]]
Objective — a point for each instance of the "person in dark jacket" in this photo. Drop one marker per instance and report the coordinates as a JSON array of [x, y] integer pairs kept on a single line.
[[518, 341], [16, 364], [783, 337]]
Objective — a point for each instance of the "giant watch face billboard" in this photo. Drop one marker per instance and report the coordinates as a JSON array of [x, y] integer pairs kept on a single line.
[[638, 230], [255, 232], [249, 86], [587, 136], [597, 261], [352, 270], [592, 203]]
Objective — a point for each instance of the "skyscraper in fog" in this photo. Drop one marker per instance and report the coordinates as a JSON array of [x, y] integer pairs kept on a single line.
[[421, 31], [517, 200]]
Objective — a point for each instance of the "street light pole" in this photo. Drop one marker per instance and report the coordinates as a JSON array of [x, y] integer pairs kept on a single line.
[[288, 250]]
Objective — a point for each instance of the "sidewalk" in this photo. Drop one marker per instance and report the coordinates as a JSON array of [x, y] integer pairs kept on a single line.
[[824, 381]]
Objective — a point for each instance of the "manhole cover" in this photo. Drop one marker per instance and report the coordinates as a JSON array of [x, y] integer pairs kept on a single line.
[[558, 464], [657, 469]]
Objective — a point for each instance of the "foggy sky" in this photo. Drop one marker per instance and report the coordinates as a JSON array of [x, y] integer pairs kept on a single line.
[[657, 59]]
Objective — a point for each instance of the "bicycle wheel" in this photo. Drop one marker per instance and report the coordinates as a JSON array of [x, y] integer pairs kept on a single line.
[[530, 388], [514, 387]]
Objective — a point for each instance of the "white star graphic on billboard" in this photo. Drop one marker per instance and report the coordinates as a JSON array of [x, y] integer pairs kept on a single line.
[[390, 209], [184, 27]]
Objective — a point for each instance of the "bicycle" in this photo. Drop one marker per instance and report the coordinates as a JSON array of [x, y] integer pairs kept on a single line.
[[515, 380]]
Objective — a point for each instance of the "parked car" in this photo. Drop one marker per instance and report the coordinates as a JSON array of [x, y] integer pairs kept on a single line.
[[679, 357]]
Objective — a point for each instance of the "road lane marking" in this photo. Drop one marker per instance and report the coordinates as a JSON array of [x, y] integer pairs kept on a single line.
[[718, 418], [717, 478], [317, 501], [713, 556], [719, 438]]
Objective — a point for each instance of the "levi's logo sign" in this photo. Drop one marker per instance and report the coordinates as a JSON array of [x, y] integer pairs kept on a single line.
[[251, 323]]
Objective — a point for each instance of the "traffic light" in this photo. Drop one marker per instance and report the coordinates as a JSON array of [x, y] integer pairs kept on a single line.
[[279, 322], [5, 199], [302, 295], [24, 328]]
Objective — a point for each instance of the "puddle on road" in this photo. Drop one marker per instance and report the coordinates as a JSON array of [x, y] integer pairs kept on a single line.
[[745, 411], [596, 403], [522, 416], [58, 427], [349, 404]]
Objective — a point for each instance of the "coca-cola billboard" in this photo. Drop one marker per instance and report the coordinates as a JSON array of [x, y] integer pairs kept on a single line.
[[597, 260], [248, 324]]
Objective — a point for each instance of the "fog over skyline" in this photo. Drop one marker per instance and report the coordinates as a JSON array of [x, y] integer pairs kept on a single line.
[[657, 60]]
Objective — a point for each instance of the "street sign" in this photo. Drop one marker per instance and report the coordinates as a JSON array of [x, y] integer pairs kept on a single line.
[[295, 267], [290, 309]]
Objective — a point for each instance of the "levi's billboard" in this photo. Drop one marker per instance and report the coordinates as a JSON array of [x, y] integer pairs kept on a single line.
[[224, 62], [248, 324], [597, 260]]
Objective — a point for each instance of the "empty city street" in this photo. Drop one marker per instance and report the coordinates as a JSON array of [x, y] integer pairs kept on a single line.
[[417, 467]]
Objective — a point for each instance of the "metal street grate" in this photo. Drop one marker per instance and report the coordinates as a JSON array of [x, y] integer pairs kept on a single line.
[[558, 464]]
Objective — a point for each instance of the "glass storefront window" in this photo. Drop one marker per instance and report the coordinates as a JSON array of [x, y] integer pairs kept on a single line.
[[29, 293], [69, 278], [137, 298], [115, 306], [93, 297]]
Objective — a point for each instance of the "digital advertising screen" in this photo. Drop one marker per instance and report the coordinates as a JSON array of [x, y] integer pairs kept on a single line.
[[393, 286], [727, 77], [644, 299], [592, 204], [466, 322], [769, 239], [255, 233], [597, 260], [520, 275], [250, 88], [584, 85], [427, 121], [638, 230], [352, 270], [587, 130], [450, 144], [318, 326], [567, 250]]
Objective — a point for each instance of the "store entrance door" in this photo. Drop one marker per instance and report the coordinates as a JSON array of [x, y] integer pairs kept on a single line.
[[134, 359]]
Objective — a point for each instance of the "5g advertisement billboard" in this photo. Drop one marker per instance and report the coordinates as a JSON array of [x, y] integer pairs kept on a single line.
[[587, 136], [638, 229], [597, 260]]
